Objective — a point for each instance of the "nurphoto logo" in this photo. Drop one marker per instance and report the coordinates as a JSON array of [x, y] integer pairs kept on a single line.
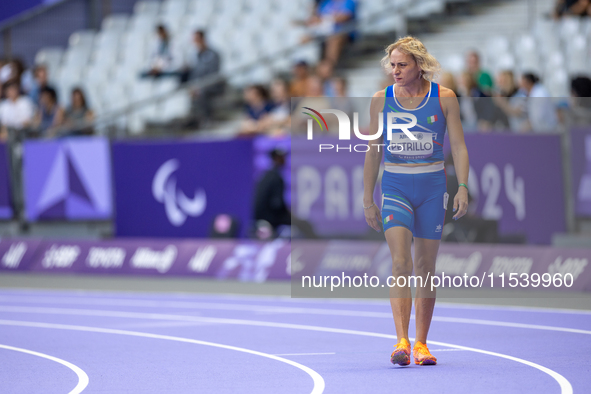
[[408, 121]]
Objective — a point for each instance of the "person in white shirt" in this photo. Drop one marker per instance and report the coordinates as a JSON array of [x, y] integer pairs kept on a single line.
[[16, 111], [541, 110]]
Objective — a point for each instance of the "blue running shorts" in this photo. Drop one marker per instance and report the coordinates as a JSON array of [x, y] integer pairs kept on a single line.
[[416, 201]]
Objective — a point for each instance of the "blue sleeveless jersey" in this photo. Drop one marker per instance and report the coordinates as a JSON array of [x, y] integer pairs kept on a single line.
[[429, 129]]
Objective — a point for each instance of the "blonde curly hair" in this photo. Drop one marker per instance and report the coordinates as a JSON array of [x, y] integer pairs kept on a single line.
[[414, 47]]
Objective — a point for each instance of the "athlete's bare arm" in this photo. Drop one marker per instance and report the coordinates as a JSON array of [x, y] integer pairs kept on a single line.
[[373, 159], [451, 109]]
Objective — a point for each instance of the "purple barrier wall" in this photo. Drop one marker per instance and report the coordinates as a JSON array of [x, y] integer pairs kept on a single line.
[[175, 189], [245, 260], [581, 171], [5, 205], [327, 187], [358, 257], [68, 179], [517, 180], [260, 261]]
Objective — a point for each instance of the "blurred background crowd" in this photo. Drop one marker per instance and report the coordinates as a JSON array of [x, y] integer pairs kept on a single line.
[[140, 73], [241, 69]]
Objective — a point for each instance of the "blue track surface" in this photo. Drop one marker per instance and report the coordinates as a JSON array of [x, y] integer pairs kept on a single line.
[[171, 343]]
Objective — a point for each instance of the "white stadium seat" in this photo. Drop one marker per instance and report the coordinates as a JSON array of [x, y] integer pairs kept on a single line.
[[115, 23]]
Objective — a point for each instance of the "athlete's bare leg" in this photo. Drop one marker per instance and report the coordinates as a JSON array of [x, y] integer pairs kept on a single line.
[[425, 257], [399, 241]]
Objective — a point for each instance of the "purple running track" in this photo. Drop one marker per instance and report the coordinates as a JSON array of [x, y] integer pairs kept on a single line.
[[180, 343]]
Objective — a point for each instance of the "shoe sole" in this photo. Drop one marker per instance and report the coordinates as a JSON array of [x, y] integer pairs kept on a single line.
[[426, 362], [400, 358]]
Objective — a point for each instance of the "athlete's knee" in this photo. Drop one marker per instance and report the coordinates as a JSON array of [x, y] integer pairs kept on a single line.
[[401, 266], [424, 266]]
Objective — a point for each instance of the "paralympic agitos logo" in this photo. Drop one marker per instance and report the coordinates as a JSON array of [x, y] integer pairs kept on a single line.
[[407, 121]]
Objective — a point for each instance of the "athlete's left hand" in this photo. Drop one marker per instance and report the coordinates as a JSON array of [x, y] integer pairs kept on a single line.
[[461, 203]]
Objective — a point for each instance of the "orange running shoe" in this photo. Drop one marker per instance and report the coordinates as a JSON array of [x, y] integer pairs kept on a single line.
[[401, 354], [422, 355]]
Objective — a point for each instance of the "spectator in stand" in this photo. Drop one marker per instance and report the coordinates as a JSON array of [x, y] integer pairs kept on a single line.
[[572, 8], [470, 96], [331, 19], [512, 101], [161, 59], [340, 100], [78, 115], [541, 110], [448, 80], [483, 79], [49, 114], [299, 83], [578, 112], [314, 99], [41, 81], [205, 63], [257, 106], [278, 121], [16, 111], [325, 70]]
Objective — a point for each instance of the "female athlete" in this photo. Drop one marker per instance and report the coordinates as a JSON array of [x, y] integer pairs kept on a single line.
[[414, 194]]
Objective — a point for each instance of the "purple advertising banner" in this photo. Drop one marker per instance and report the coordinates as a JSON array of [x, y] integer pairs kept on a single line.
[[176, 189], [580, 148], [494, 266], [223, 259], [256, 261], [67, 179], [517, 180], [5, 206], [514, 179], [327, 187]]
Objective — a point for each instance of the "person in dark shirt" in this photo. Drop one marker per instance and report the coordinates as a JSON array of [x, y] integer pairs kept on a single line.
[[205, 64], [269, 204]]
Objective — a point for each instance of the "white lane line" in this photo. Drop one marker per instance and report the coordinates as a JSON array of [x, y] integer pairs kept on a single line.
[[565, 386], [141, 315], [82, 376], [319, 384], [447, 350], [302, 354], [96, 295]]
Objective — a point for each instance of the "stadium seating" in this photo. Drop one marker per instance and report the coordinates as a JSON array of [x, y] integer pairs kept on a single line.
[[120, 51]]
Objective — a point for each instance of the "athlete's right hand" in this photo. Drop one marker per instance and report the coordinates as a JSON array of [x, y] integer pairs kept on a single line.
[[374, 218]]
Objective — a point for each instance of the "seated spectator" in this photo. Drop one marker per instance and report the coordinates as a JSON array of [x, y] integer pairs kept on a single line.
[[299, 84], [316, 100], [331, 19], [161, 59], [257, 106], [324, 70], [470, 95], [511, 100], [41, 81], [483, 79], [572, 7], [205, 62], [49, 114], [16, 111], [541, 110], [78, 115], [340, 100], [578, 112], [448, 80], [278, 121]]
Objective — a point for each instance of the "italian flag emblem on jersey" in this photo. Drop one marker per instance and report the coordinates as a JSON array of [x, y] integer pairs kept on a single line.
[[388, 218], [432, 119]]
